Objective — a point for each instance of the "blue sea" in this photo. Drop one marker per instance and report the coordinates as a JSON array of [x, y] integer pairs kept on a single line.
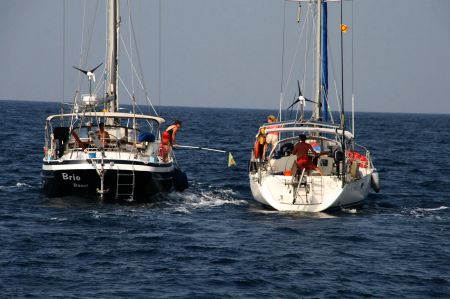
[[214, 240]]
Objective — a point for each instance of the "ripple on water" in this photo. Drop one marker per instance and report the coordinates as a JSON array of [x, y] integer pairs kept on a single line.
[[214, 240]]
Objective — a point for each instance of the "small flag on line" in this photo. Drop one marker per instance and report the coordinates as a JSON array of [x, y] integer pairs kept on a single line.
[[231, 161]]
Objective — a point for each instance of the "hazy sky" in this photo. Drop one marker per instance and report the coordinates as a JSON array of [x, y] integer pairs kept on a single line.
[[219, 53]]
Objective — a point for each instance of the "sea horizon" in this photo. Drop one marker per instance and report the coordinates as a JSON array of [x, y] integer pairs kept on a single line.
[[236, 108]]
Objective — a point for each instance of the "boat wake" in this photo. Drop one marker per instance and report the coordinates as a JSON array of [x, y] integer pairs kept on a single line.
[[350, 210], [428, 213], [199, 197], [17, 187]]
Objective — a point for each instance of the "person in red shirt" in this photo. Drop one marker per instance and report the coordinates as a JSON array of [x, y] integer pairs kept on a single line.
[[165, 147], [172, 131], [301, 149]]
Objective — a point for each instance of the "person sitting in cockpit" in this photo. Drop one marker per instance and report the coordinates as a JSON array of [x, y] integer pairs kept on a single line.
[[102, 134]]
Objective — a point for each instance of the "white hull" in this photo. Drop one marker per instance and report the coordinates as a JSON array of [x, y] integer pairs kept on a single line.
[[319, 194]]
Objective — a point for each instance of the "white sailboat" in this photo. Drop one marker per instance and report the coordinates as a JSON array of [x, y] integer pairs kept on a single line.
[[282, 183], [96, 149]]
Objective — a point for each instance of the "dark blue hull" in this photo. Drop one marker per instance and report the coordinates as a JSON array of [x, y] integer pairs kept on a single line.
[[59, 183]]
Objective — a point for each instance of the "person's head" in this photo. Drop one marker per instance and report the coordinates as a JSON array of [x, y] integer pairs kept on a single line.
[[262, 131], [177, 123], [101, 126], [302, 137], [271, 119]]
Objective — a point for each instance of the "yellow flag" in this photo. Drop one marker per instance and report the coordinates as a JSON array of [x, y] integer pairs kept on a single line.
[[231, 161]]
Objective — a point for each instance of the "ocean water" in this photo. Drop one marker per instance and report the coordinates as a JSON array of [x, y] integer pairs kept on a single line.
[[214, 240]]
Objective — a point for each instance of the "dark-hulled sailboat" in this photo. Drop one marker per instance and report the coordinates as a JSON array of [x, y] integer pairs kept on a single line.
[[96, 149]]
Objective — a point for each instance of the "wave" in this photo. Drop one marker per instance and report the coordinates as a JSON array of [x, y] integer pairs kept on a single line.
[[349, 211], [197, 199], [431, 209], [428, 213], [17, 186]]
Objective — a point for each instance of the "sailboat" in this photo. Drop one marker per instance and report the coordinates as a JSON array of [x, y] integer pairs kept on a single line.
[[342, 173], [97, 149]]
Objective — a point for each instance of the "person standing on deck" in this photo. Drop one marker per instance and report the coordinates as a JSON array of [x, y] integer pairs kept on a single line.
[[172, 130], [260, 147], [272, 137]]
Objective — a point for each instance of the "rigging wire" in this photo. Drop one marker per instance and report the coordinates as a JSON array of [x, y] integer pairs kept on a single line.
[[333, 71], [141, 78], [131, 53], [105, 75], [342, 99], [282, 60], [353, 76], [63, 55], [133, 97], [83, 24], [288, 81], [159, 51], [83, 58], [314, 29], [307, 41], [307, 37], [140, 81]]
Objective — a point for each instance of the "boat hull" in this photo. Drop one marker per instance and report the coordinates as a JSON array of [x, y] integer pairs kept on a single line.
[[83, 179], [324, 193]]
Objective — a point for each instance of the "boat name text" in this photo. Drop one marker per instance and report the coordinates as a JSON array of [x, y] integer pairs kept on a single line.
[[71, 177]]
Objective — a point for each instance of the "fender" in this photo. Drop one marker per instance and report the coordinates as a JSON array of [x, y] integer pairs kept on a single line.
[[256, 149]]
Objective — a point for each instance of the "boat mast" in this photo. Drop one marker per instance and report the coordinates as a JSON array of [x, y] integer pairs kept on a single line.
[[317, 109], [342, 92], [324, 77], [112, 54]]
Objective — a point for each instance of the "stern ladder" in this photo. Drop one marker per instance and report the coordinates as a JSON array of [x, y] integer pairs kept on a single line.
[[125, 184]]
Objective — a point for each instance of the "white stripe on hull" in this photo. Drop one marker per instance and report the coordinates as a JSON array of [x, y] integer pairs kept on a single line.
[[117, 166]]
